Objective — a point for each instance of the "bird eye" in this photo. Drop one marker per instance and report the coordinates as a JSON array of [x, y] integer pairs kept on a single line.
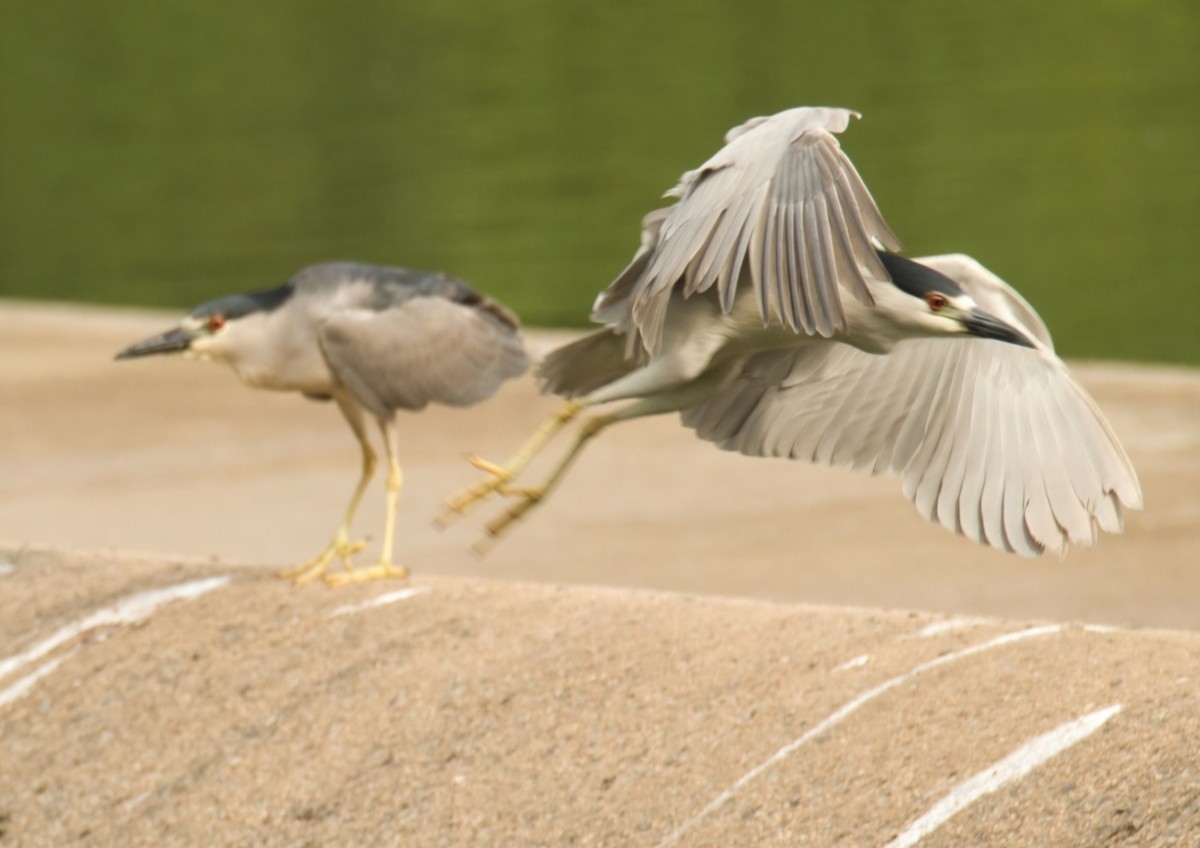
[[935, 301], [215, 322]]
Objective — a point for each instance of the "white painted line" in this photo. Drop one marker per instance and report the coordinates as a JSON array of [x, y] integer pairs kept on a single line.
[[845, 710], [857, 662], [131, 610], [940, 627], [1101, 628], [1013, 767], [389, 598], [21, 688]]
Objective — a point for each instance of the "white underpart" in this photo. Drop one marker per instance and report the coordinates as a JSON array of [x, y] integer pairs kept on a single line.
[[1013, 767]]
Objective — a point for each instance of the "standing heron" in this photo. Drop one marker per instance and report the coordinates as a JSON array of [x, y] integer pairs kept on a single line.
[[768, 308], [373, 339]]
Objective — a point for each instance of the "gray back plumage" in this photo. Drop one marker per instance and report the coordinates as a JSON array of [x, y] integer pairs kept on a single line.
[[400, 339], [380, 287]]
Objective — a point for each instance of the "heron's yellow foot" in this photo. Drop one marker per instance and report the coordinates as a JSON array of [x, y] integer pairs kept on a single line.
[[529, 498], [381, 571], [460, 504], [340, 548], [490, 467]]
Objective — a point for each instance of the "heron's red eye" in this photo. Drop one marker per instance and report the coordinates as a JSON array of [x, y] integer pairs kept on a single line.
[[215, 322], [935, 301]]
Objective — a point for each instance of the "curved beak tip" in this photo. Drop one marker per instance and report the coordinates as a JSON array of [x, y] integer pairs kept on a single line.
[[987, 326]]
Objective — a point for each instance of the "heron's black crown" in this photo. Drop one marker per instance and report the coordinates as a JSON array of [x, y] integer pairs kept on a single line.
[[240, 305], [917, 279]]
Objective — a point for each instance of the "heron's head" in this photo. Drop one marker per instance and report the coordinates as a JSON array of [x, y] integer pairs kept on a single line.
[[226, 329], [932, 304]]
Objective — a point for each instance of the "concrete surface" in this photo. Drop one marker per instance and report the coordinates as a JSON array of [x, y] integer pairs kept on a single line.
[[492, 713]]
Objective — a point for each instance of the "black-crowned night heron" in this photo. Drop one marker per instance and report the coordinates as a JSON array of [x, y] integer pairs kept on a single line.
[[765, 307], [373, 339]]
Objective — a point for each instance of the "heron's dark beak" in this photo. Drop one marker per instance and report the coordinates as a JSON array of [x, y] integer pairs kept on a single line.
[[988, 326], [171, 341]]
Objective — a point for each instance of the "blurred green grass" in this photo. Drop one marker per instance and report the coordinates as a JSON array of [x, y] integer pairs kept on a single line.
[[166, 153]]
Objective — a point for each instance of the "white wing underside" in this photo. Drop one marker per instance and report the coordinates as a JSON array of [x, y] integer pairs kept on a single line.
[[781, 205], [993, 441]]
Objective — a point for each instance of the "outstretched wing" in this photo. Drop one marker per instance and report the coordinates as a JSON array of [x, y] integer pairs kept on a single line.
[[993, 441], [784, 201], [422, 349]]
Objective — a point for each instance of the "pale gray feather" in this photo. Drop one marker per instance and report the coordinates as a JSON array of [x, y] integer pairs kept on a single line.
[[421, 350], [993, 441], [585, 364], [781, 208]]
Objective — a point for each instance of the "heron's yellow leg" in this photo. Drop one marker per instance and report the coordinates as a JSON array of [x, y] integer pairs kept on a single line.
[[341, 547], [499, 476], [528, 498], [384, 568]]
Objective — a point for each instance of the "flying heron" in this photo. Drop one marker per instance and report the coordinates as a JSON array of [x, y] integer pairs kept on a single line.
[[769, 307], [373, 339]]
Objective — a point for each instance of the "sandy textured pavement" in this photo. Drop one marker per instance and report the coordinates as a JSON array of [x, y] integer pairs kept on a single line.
[[183, 696], [489, 713]]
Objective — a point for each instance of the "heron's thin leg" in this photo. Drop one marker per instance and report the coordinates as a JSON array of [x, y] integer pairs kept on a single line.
[[341, 547], [395, 481], [529, 498], [460, 504]]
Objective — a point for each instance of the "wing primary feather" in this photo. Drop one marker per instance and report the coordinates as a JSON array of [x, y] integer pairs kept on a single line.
[[811, 279], [870, 210], [1015, 494], [818, 249], [714, 249], [757, 271], [720, 248], [1069, 512], [912, 379], [850, 395], [939, 440], [733, 271], [963, 431], [861, 251], [1080, 471], [785, 282], [991, 504], [912, 430], [1039, 515]]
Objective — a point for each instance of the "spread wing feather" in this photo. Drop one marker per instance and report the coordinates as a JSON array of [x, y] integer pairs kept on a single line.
[[993, 441], [780, 208]]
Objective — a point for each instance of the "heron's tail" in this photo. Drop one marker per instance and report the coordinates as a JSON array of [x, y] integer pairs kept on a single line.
[[585, 365]]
